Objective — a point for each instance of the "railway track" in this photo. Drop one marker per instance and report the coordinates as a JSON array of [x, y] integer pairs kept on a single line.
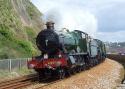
[[18, 83], [25, 81]]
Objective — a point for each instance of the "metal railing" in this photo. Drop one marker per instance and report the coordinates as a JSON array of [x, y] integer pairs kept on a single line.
[[11, 64]]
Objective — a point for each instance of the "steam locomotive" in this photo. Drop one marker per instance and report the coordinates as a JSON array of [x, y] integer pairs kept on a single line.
[[66, 52]]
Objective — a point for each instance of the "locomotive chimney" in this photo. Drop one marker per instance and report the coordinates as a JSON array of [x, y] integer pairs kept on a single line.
[[50, 25]]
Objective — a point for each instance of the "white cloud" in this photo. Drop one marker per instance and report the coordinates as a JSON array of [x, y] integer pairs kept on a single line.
[[111, 36]]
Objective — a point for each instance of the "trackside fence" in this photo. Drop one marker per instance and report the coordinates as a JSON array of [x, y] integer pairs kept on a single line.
[[11, 64]]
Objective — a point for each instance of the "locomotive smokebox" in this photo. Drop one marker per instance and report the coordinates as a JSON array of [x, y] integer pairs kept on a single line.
[[47, 40]]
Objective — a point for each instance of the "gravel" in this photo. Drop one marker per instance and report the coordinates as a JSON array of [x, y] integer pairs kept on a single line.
[[106, 75]]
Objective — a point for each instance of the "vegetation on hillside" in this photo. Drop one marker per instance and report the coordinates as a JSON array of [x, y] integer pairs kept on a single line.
[[16, 38]]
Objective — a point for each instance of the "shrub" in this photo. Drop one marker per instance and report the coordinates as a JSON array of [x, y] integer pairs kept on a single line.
[[27, 46], [6, 32]]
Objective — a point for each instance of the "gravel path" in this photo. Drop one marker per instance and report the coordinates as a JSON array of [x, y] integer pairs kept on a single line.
[[106, 75]]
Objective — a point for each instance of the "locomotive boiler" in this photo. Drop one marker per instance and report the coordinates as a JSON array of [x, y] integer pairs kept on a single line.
[[65, 52]]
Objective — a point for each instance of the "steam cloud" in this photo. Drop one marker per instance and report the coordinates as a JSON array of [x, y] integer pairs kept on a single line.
[[83, 20], [66, 15]]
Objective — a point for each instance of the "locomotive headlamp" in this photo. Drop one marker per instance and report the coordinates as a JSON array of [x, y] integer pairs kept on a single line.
[[60, 55], [45, 56]]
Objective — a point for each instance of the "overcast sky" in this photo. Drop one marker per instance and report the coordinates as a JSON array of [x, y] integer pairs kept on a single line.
[[102, 19]]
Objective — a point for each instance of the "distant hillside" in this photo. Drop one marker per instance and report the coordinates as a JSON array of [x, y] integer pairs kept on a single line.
[[116, 47], [20, 21]]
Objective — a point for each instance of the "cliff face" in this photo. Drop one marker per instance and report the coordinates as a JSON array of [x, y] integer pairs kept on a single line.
[[20, 21]]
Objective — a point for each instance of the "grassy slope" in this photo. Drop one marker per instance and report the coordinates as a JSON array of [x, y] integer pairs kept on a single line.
[[17, 39]]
